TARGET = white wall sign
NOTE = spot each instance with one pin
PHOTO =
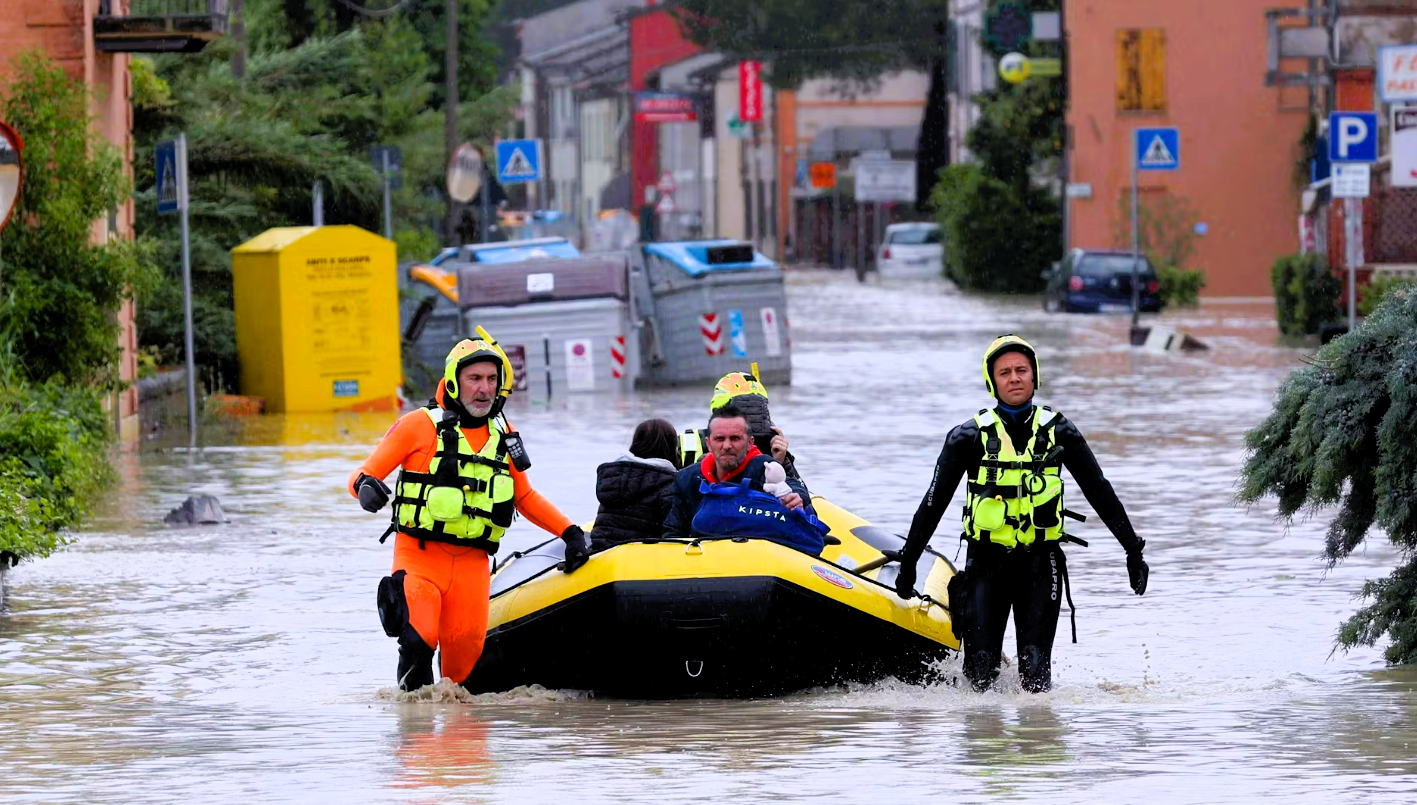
(885, 181)
(1397, 73)
(1404, 146)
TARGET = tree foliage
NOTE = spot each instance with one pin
(257, 146)
(1344, 432)
(58, 290)
(997, 237)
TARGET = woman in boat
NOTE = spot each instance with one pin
(636, 490)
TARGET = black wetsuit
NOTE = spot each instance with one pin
(1027, 579)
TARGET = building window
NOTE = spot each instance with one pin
(1141, 70)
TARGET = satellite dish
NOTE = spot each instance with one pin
(465, 173)
(11, 171)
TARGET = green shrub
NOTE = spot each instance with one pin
(1373, 294)
(53, 464)
(60, 289)
(1305, 293)
(998, 237)
(1180, 287)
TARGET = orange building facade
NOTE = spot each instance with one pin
(1198, 67)
(63, 30)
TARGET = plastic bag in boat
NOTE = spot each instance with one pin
(737, 510)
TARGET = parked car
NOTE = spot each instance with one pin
(1098, 281)
(911, 248)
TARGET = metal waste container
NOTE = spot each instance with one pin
(562, 322)
(428, 302)
(711, 307)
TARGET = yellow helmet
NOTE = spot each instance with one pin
(472, 350)
(736, 384)
(1009, 343)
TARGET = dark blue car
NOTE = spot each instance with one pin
(1096, 281)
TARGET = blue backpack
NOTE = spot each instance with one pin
(737, 510)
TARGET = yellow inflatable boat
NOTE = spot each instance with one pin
(725, 618)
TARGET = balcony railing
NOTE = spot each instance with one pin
(158, 26)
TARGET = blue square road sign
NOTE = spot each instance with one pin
(168, 199)
(1158, 149)
(519, 161)
(1353, 137)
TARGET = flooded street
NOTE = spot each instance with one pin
(245, 663)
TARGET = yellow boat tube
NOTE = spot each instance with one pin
(728, 618)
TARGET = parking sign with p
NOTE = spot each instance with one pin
(1353, 137)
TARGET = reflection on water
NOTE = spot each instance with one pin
(243, 662)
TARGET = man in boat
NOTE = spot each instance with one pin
(732, 458)
(751, 397)
(1013, 519)
(463, 474)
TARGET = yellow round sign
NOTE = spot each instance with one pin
(1015, 68)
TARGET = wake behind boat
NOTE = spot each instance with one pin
(735, 617)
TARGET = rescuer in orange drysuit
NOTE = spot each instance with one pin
(450, 515)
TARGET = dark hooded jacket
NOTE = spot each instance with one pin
(635, 497)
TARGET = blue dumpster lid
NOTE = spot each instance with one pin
(511, 251)
(699, 257)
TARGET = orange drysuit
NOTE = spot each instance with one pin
(446, 586)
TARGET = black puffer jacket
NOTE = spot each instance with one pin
(635, 495)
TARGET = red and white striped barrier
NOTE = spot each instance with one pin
(711, 330)
(617, 356)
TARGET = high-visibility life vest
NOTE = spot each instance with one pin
(693, 444)
(465, 497)
(1016, 499)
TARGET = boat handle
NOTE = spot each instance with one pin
(689, 550)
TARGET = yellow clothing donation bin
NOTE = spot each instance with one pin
(317, 319)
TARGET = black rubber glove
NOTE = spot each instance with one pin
(1137, 569)
(905, 580)
(373, 494)
(577, 548)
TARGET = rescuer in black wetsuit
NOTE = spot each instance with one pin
(1012, 456)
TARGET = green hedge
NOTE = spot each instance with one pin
(1305, 293)
(1180, 287)
(53, 463)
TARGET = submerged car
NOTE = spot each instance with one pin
(1097, 281)
(911, 248)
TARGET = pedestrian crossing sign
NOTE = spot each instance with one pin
(519, 161)
(1158, 149)
(171, 186)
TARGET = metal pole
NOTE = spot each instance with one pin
(860, 240)
(1136, 233)
(836, 259)
(1353, 243)
(450, 110)
(187, 294)
(388, 210)
(486, 212)
(318, 202)
(546, 356)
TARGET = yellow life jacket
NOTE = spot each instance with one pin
(692, 446)
(465, 498)
(1016, 499)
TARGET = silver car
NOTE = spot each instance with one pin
(915, 248)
